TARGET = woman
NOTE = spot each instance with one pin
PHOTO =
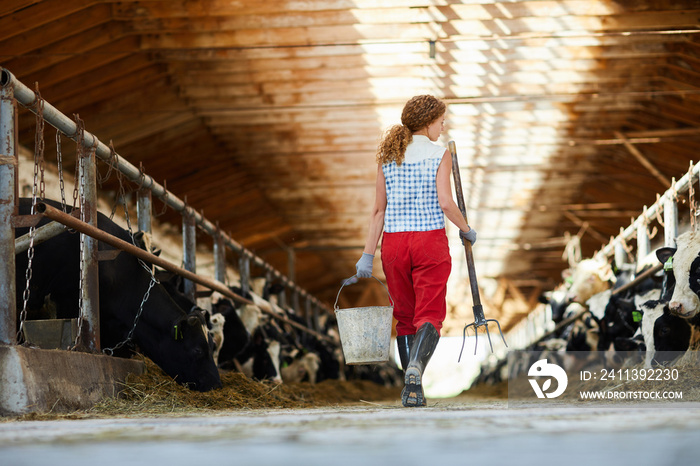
(413, 196)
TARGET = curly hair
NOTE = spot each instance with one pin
(419, 112)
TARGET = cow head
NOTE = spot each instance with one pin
(584, 335)
(589, 278)
(184, 352)
(686, 270)
(665, 334)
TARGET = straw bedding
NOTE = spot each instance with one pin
(154, 393)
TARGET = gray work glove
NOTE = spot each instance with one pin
(364, 265)
(468, 235)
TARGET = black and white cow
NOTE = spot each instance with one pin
(622, 316)
(260, 359)
(685, 301)
(235, 335)
(662, 335)
(666, 336)
(165, 333)
(252, 342)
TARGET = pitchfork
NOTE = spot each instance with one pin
(479, 319)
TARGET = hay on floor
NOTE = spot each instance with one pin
(155, 393)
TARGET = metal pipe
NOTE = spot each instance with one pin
(144, 210)
(643, 243)
(620, 254)
(8, 201)
(71, 222)
(219, 259)
(189, 254)
(670, 221)
(89, 270)
(26, 97)
(244, 271)
(638, 278)
(41, 234)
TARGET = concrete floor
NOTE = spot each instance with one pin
(451, 431)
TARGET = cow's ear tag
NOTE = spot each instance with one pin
(668, 265)
(636, 316)
(569, 280)
(178, 332)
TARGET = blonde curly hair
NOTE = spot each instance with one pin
(420, 111)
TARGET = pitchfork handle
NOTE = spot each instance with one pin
(462, 207)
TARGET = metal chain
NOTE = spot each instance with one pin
(79, 185)
(39, 143)
(79, 133)
(59, 162)
(121, 194)
(691, 199)
(38, 160)
(164, 199)
(130, 335)
(658, 213)
(626, 247)
(110, 165)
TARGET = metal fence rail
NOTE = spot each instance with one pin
(14, 89)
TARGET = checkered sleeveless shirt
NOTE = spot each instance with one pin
(411, 189)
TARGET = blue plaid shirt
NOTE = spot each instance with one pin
(411, 189)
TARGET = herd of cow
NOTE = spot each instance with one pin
(658, 316)
(636, 314)
(189, 343)
(653, 320)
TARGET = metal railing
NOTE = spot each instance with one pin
(13, 90)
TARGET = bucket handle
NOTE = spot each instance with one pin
(335, 306)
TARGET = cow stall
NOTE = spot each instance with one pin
(42, 379)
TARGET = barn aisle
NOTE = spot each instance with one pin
(453, 431)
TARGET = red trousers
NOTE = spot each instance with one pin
(416, 265)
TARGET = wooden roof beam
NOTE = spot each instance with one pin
(461, 18)
(35, 15)
(54, 31)
(70, 66)
(485, 10)
(586, 227)
(643, 160)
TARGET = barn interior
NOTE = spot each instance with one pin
(568, 117)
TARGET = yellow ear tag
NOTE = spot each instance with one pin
(668, 265)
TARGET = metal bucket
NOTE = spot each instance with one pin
(365, 332)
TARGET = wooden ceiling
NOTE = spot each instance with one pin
(267, 114)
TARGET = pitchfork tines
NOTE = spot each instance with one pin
(480, 321)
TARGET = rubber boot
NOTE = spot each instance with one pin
(422, 350)
(404, 343)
